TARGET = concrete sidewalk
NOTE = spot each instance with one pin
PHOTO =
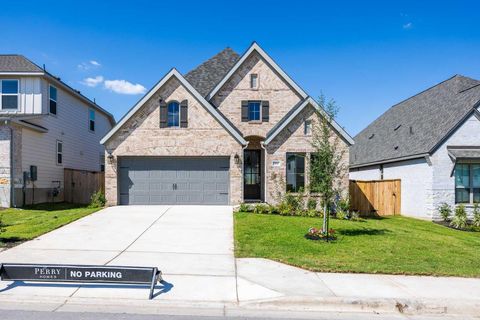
(193, 246)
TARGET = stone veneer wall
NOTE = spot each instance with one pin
(271, 87)
(293, 139)
(142, 136)
(5, 164)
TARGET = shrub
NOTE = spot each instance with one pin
(445, 211)
(476, 215)
(98, 200)
(355, 216)
(261, 209)
(342, 215)
(244, 208)
(343, 205)
(2, 225)
(312, 204)
(459, 221)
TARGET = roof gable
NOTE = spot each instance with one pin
(415, 126)
(14, 63)
(195, 93)
(295, 111)
(256, 48)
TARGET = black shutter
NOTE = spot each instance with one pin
(265, 111)
(184, 114)
(244, 111)
(163, 114)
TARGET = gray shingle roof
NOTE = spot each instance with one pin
(17, 63)
(415, 126)
(204, 77)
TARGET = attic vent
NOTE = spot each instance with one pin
(371, 137)
(397, 127)
(411, 130)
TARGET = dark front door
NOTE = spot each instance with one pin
(252, 175)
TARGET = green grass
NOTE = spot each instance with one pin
(393, 245)
(30, 222)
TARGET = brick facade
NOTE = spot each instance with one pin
(142, 136)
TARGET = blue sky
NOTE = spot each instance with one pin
(367, 55)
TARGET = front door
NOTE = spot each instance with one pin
(252, 175)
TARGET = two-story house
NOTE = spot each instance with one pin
(236, 128)
(45, 126)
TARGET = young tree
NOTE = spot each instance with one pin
(327, 168)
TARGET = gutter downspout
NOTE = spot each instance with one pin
(262, 145)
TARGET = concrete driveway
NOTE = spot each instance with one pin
(192, 245)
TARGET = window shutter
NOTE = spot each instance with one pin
(184, 114)
(244, 111)
(265, 111)
(163, 114)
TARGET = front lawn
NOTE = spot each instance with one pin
(31, 222)
(394, 245)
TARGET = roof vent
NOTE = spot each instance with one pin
(397, 127)
(411, 130)
(371, 137)
(396, 147)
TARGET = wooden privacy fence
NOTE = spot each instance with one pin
(79, 185)
(376, 197)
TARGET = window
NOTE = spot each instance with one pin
(295, 172)
(254, 110)
(254, 81)
(91, 119)
(308, 128)
(59, 152)
(9, 93)
(52, 96)
(173, 114)
(467, 183)
(102, 162)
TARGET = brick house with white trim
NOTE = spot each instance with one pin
(224, 133)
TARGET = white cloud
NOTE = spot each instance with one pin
(124, 87)
(92, 82)
(92, 64)
(407, 26)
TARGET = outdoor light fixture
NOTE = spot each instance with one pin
(110, 156)
(236, 158)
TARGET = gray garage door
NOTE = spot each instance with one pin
(179, 180)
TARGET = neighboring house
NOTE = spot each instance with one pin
(237, 128)
(47, 124)
(431, 142)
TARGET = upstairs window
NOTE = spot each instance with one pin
(254, 81)
(52, 96)
(59, 152)
(9, 93)
(308, 128)
(254, 110)
(91, 120)
(173, 114)
(295, 172)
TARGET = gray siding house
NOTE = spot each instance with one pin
(46, 124)
(431, 142)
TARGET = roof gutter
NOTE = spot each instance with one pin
(367, 164)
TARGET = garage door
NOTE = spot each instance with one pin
(179, 180)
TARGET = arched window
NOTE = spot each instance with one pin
(173, 118)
